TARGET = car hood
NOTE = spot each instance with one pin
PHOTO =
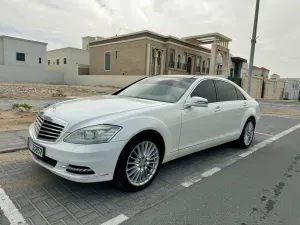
(79, 110)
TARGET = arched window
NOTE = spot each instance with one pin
(65, 60)
(178, 61)
(172, 60)
(203, 66)
(219, 64)
(153, 56)
(159, 58)
(198, 62)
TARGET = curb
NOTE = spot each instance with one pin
(8, 150)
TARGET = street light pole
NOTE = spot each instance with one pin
(253, 42)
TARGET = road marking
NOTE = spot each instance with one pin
(283, 116)
(210, 172)
(268, 141)
(10, 211)
(270, 135)
(117, 220)
(192, 180)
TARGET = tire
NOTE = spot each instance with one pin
(131, 163)
(248, 130)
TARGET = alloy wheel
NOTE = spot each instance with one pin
(142, 163)
(249, 133)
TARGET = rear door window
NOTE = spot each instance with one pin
(240, 95)
(226, 91)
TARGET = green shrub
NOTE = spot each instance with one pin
(24, 105)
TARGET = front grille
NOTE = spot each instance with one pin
(47, 130)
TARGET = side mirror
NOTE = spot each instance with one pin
(196, 102)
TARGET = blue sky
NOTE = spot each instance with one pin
(62, 23)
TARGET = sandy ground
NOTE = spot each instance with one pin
(37, 91)
(15, 119)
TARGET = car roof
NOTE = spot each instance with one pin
(194, 76)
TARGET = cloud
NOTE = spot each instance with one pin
(63, 22)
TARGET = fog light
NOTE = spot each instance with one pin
(79, 169)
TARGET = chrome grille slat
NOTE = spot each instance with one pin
(46, 133)
(50, 129)
(48, 124)
(39, 122)
(47, 130)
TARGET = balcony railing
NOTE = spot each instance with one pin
(198, 69)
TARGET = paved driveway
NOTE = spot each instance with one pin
(43, 198)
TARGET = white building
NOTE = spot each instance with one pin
(291, 88)
(21, 52)
(68, 60)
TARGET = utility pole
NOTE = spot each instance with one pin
(253, 42)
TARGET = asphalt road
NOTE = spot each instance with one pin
(258, 189)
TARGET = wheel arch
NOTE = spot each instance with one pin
(142, 134)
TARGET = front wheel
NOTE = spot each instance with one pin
(247, 135)
(138, 165)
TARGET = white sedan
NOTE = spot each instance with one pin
(126, 136)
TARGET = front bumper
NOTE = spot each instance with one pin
(101, 158)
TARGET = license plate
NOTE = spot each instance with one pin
(36, 149)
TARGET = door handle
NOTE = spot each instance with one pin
(245, 104)
(218, 108)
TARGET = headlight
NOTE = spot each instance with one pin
(93, 135)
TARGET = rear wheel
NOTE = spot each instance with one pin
(247, 135)
(138, 164)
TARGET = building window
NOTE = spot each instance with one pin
(207, 65)
(171, 60)
(57, 62)
(198, 63)
(49, 62)
(184, 61)
(65, 60)
(40, 60)
(116, 54)
(20, 56)
(107, 62)
(159, 58)
(203, 66)
(153, 56)
(178, 62)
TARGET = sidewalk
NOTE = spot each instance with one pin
(13, 140)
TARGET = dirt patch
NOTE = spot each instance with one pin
(37, 91)
(275, 111)
(16, 119)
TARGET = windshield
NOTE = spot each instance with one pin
(164, 89)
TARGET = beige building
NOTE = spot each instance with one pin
(148, 53)
(261, 72)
